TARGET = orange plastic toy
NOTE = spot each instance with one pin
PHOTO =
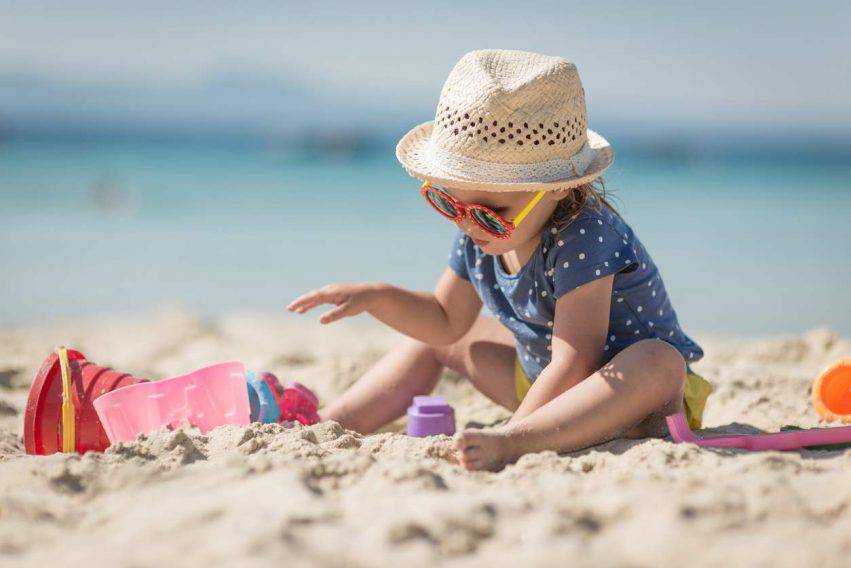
(832, 392)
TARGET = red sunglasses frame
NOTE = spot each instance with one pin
(463, 208)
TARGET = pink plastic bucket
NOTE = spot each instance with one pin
(205, 398)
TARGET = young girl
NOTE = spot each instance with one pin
(583, 344)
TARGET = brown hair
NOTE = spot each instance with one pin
(592, 194)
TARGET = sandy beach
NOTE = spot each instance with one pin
(322, 496)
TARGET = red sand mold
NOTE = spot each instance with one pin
(43, 415)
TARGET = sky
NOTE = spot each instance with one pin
(775, 65)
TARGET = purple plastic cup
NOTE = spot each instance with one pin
(429, 416)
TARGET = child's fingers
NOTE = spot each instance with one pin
(469, 454)
(339, 312)
(299, 303)
(463, 441)
(473, 453)
(305, 306)
(331, 294)
(471, 458)
(310, 300)
(303, 300)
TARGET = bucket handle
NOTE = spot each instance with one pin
(68, 413)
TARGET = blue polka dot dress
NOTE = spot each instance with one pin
(594, 245)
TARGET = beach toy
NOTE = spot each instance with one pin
(832, 392)
(264, 407)
(60, 416)
(253, 404)
(430, 415)
(784, 440)
(206, 398)
(295, 401)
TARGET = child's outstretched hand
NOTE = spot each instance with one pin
(350, 299)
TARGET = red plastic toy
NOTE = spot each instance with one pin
(43, 432)
(295, 401)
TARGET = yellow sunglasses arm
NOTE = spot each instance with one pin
(529, 207)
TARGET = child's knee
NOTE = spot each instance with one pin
(448, 355)
(664, 361)
(441, 353)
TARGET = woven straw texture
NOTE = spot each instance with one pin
(508, 121)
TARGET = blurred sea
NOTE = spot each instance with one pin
(747, 245)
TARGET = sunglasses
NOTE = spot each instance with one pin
(490, 222)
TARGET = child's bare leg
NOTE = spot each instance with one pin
(642, 380)
(383, 393)
(485, 355)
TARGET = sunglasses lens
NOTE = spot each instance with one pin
(441, 203)
(488, 221)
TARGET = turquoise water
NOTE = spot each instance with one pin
(748, 246)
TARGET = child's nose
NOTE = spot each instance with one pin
(466, 225)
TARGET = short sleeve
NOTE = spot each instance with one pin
(588, 249)
(458, 255)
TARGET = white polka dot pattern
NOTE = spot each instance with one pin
(594, 245)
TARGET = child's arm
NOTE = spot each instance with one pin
(579, 336)
(438, 318)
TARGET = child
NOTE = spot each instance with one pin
(584, 344)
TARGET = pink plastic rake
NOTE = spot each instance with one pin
(791, 440)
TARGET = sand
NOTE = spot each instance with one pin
(321, 496)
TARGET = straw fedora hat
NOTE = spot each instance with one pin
(508, 121)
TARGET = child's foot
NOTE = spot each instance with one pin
(483, 449)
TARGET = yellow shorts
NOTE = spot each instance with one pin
(697, 391)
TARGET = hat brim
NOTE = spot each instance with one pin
(412, 152)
